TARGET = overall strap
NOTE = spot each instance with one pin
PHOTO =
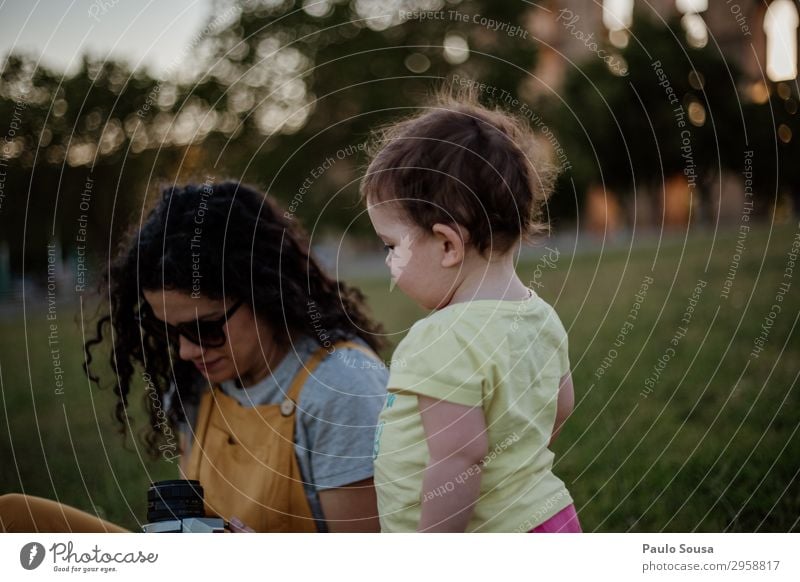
(293, 394)
(367, 351)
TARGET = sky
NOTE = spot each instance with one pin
(150, 34)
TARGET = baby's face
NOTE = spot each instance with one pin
(414, 257)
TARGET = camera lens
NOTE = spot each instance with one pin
(174, 499)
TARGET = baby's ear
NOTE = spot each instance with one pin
(454, 239)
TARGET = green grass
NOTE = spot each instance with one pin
(714, 447)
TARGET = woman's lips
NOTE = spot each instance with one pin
(207, 365)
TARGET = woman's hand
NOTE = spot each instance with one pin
(236, 526)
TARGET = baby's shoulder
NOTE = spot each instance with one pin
(434, 327)
(442, 335)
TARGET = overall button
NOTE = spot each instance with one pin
(287, 407)
(231, 440)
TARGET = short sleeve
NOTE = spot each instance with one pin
(340, 404)
(439, 361)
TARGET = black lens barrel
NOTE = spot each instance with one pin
(174, 499)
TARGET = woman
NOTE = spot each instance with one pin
(263, 365)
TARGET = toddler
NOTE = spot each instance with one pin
(478, 389)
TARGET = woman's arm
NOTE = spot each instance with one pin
(340, 407)
(352, 508)
(566, 402)
(457, 442)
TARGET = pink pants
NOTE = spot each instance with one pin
(565, 521)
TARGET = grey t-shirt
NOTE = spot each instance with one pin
(335, 417)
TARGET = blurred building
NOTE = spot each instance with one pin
(743, 29)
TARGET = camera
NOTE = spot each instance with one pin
(176, 506)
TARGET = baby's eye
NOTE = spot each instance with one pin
(388, 248)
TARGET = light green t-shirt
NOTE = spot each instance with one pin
(505, 356)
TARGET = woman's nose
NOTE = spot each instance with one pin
(187, 350)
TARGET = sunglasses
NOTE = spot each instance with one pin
(204, 333)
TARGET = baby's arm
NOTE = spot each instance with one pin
(457, 442)
(566, 401)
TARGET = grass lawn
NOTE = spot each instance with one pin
(678, 425)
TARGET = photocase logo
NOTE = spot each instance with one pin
(401, 255)
(31, 555)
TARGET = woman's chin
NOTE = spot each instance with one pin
(215, 375)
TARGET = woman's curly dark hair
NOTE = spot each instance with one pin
(251, 251)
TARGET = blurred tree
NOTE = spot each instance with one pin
(676, 111)
(69, 141)
(309, 82)
(279, 95)
(284, 95)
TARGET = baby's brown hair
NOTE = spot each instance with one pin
(460, 162)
